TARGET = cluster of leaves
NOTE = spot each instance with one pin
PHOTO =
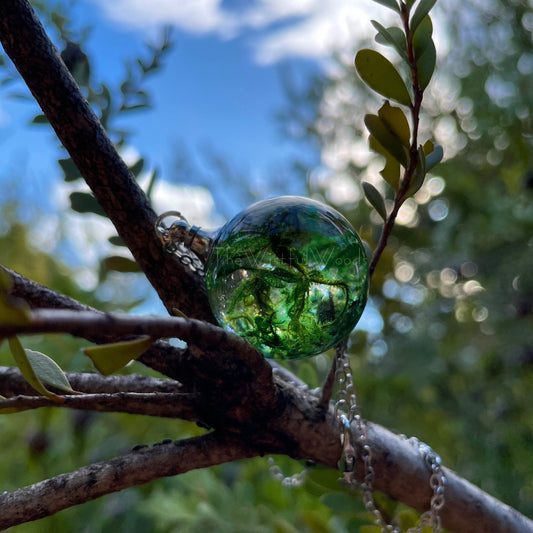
(390, 134)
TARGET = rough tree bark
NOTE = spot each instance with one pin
(218, 379)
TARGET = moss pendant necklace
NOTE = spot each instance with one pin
(289, 274)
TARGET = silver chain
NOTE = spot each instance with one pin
(172, 240)
(355, 432)
(296, 480)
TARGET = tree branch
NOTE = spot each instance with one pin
(160, 356)
(12, 383)
(81, 133)
(135, 468)
(180, 405)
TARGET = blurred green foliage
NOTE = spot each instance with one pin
(453, 362)
(448, 355)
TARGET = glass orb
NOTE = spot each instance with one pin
(290, 275)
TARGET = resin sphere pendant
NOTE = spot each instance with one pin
(290, 275)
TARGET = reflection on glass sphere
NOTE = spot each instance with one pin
(290, 275)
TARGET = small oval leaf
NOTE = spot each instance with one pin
(392, 36)
(84, 202)
(109, 358)
(22, 361)
(391, 170)
(137, 167)
(396, 122)
(70, 170)
(39, 119)
(422, 36)
(375, 199)
(391, 4)
(417, 180)
(423, 8)
(434, 157)
(387, 139)
(13, 310)
(381, 76)
(426, 65)
(116, 240)
(48, 371)
(119, 263)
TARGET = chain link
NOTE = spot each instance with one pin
(355, 432)
(296, 480)
(174, 238)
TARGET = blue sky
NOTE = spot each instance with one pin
(220, 87)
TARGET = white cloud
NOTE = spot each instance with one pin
(310, 28)
(197, 16)
(87, 234)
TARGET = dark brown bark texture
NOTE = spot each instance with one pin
(218, 379)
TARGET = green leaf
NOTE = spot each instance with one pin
(340, 502)
(423, 8)
(391, 170)
(84, 202)
(326, 478)
(13, 310)
(39, 119)
(116, 240)
(434, 157)
(426, 65)
(151, 183)
(6, 281)
(417, 180)
(422, 36)
(21, 359)
(109, 358)
(396, 122)
(391, 4)
(178, 313)
(375, 199)
(48, 371)
(387, 138)
(70, 170)
(119, 263)
(381, 76)
(392, 36)
(137, 167)
(134, 107)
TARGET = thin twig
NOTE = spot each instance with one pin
(168, 405)
(12, 383)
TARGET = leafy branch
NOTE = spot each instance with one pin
(390, 133)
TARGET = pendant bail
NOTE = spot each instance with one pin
(180, 232)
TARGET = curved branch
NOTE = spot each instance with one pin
(135, 468)
(81, 133)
